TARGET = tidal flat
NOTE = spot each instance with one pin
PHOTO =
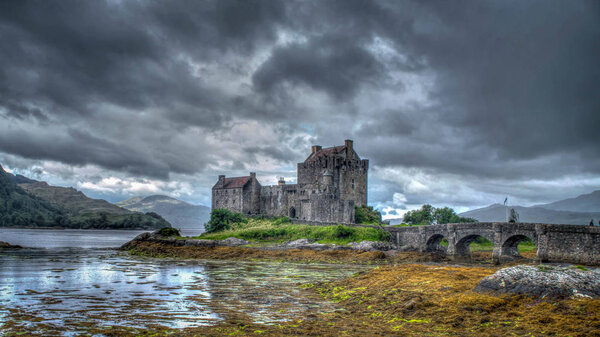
(164, 290)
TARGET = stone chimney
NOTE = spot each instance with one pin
(316, 148)
(281, 181)
(349, 150)
(348, 143)
(221, 181)
(252, 175)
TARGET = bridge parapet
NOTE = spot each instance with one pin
(555, 243)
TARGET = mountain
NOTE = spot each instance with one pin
(497, 213)
(179, 213)
(70, 199)
(19, 208)
(583, 203)
(26, 202)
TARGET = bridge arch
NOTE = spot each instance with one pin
(462, 246)
(510, 246)
(434, 243)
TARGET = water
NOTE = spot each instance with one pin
(81, 238)
(69, 288)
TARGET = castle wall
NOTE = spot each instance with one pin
(278, 200)
(231, 198)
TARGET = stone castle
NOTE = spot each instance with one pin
(331, 182)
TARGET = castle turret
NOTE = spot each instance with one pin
(327, 178)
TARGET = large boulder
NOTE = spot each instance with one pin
(543, 281)
(371, 245)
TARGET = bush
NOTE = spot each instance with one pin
(221, 219)
(342, 232)
(366, 215)
(168, 231)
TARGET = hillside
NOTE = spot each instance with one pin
(583, 203)
(497, 213)
(72, 200)
(29, 203)
(179, 213)
(19, 208)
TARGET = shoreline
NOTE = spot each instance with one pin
(155, 246)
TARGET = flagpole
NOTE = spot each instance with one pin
(506, 208)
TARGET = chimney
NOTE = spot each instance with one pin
(221, 177)
(253, 175)
(316, 148)
(349, 150)
(281, 181)
(348, 143)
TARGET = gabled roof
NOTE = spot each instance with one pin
(236, 182)
(325, 152)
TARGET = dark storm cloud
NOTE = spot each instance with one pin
(336, 66)
(480, 89)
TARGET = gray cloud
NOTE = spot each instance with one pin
(497, 97)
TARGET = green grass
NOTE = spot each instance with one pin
(280, 229)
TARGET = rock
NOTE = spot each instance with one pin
(234, 242)
(371, 245)
(543, 281)
(200, 243)
(299, 242)
(6, 245)
(306, 244)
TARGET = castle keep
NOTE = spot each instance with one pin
(330, 183)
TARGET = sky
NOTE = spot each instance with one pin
(455, 104)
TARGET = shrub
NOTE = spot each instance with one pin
(168, 231)
(366, 215)
(343, 232)
(221, 219)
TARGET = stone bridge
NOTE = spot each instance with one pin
(555, 243)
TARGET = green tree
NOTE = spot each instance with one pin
(221, 219)
(427, 214)
(366, 215)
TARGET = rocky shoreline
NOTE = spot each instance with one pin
(302, 251)
(6, 245)
(368, 246)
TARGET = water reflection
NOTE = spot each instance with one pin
(64, 287)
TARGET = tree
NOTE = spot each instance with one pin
(423, 216)
(220, 219)
(427, 214)
(514, 216)
(366, 215)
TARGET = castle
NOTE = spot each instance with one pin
(331, 181)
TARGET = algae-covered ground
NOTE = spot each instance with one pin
(405, 300)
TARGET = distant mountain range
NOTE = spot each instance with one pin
(26, 202)
(179, 213)
(576, 211)
(583, 203)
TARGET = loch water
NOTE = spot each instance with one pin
(70, 277)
